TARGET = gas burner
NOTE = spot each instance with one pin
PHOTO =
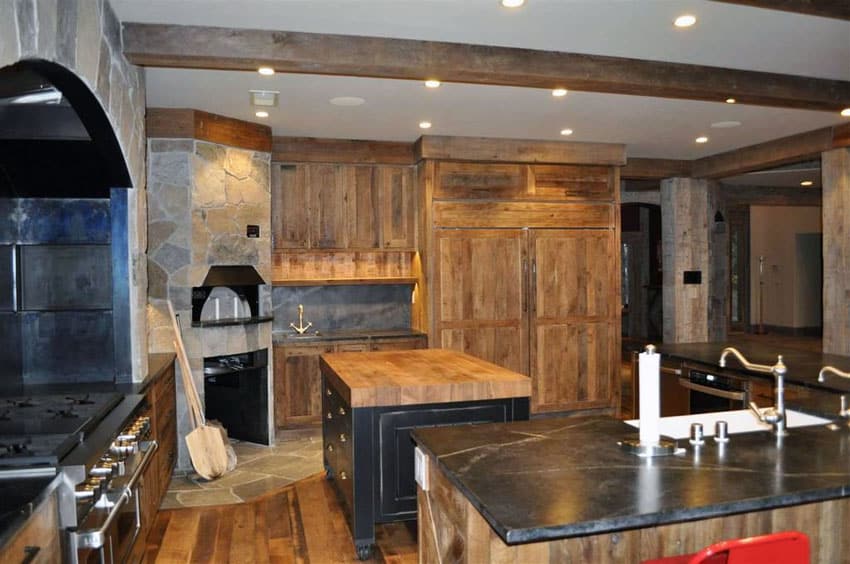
(85, 400)
(28, 402)
(15, 449)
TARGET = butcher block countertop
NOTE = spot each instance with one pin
(371, 379)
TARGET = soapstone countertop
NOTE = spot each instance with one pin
(292, 338)
(803, 366)
(554, 478)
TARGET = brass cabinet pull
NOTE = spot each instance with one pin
(342, 411)
(330, 415)
(343, 476)
(330, 448)
(342, 437)
(329, 392)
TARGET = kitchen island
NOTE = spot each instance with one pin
(372, 400)
(563, 490)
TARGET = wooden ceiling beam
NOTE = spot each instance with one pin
(837, 9)
(655, 169)
(786, 150)
(166, 45)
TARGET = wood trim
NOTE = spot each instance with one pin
(518, 150)
(777, 152)
(837, 9)
(166, 45)
(187, 123)
(347, 151)
(655, 169)
(508, 214)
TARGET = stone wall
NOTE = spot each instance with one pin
(84, 36)
(201, 198)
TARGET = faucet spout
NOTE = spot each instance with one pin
(773, 415)
(833, 370)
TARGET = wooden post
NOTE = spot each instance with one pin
(835, 171)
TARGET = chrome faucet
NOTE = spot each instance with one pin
(844, 411)
(774, 416)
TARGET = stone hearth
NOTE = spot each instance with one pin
(202, 196)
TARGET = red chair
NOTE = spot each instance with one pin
(789, 547)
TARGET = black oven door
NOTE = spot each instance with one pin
(714, 392)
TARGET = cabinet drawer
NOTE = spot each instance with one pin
(39, 537)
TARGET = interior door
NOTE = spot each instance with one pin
(575, 299)
(480, 284)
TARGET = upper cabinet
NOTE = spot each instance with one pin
(343, 207)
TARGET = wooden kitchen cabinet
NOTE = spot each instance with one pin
(37, 541)
(479, 283)
(397, 211)
(523, 265)
(535, 301)
(574, 299)
(298, 379)
(297, 383)
(336, 206)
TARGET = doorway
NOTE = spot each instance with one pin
(641, 271)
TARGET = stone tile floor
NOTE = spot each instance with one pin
(259, 469)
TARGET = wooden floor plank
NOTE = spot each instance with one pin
(261, 537)
(180, 537)
(207, 533)
(242, 545)
(224, 537)
(300, 524)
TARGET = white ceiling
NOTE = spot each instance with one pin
(725, 35)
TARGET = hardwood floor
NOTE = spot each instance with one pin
(301, 523)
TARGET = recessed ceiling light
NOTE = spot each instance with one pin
(725, 124)
(566, 131)
(432, 83)
(512, 3)
(806, 183)
(731, 100)
(845, 112)
(685, 20)
(262, 114)
(701, 139)
(425, 125)
(559, 92)
(265, 71)
(347, 101)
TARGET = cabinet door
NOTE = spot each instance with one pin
(480, 295)
(289, 207)
(575, 343)
(298, 383)
(327, 222)
(398, 220)
(360, 193)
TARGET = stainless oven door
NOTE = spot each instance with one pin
(114, 524)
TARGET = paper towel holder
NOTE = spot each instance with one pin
(663, 447)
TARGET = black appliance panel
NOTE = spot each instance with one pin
(712, 391)
(62, 277)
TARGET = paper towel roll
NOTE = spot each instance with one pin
(649, 368)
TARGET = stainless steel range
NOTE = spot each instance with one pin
(99, 443)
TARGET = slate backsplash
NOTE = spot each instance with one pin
(343, 308)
